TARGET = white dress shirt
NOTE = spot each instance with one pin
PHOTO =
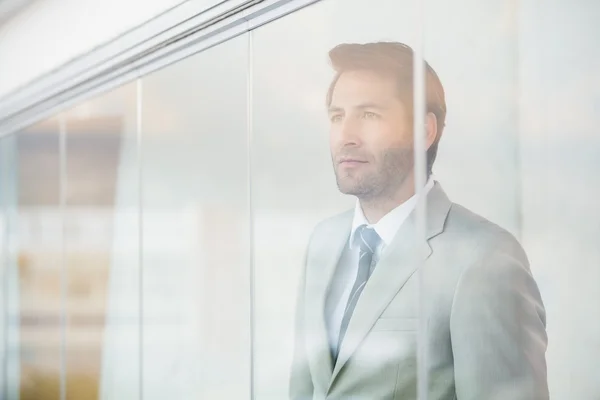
(345, 274)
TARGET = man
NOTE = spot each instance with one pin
(358, 309)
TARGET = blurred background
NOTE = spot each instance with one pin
(163, 163)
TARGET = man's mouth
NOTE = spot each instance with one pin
(352, 161)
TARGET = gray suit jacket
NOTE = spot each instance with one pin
(485, 321)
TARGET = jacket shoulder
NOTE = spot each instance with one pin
(479, 233)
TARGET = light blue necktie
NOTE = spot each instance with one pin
(369, 240)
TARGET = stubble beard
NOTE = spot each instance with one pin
(392, 168)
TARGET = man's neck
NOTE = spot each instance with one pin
(377, 207)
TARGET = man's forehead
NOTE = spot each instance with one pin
(356, 88)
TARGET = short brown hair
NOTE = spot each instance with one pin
(396, 60)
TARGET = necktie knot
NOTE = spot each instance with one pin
(369, 239)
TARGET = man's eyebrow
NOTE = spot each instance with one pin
(334, 109)
(362, 106)
(377, 106)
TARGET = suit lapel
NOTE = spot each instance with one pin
(400, 260)
(326, 252)
(397, 264)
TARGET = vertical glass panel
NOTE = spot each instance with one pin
(35, 265)
(3, 265)
(560, 103)
(101, 245)
(8, 273)
(474, 47)
(297, 204)
(196, 339)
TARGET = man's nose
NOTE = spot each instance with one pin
(350, 132)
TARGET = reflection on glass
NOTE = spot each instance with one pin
(100, 184)
(67, 179)
(38, 255)
(195, 228)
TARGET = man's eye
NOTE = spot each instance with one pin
(336, 118)
(370, 115)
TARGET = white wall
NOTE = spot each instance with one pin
(48, 33)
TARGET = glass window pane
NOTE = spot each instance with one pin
(560, 157)
(195, 227)
(521, 149)
(295, 195)
(102, 246)
(475, 49)
(9, 325)
(3, 264)
(35, 265)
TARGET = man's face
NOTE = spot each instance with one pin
(370, 136)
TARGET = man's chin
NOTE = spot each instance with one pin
(350, 189)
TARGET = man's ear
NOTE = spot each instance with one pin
(431, 129)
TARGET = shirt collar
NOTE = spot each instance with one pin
(388, 225)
